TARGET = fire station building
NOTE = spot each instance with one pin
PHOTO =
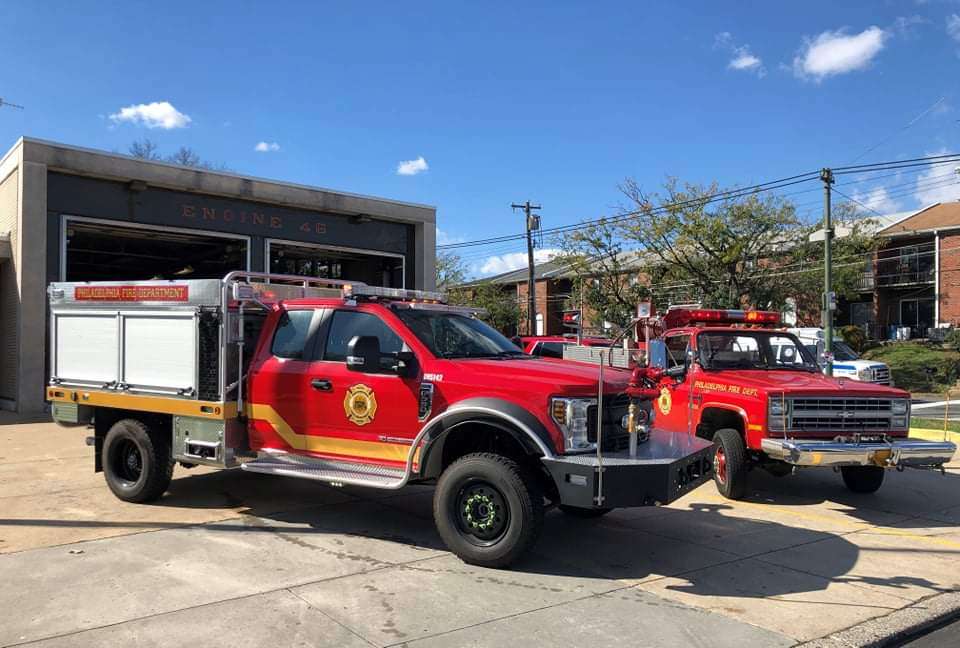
(74, 214)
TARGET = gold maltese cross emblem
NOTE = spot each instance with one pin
(360, 404)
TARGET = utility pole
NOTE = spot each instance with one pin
(533, 223)
(829, 300)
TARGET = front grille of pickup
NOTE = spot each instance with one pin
(615, 438)
(840, 414)
(881, 375)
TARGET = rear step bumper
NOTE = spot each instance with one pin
(667, 466)
(911, 453)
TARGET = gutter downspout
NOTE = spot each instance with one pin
(936, 278)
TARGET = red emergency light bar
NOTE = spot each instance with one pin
(689, 316)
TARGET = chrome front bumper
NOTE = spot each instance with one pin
(910, 453)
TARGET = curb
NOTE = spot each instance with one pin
(895, 628)
(933, 435)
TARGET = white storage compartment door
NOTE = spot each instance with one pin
(160, 351)
(86, 347)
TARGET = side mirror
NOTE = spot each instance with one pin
(363, 354)
(678, 371)
(657, 354)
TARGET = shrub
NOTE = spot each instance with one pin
(917, 367)
(952, 339)
(855, 337)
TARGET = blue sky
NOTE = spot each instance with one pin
(552, 101)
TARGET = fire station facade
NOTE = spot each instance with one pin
(73, 214)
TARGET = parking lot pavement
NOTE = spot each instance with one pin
(229, 557)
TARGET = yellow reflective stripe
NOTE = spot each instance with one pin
(144, 403)
(324, 444)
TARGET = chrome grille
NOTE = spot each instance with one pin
(881, 375)
(840, 414)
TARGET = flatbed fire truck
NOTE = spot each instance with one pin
(735, 378)
(345, 383)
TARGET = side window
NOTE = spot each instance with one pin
(293, 330)
(550, 350)
(347, 324)
(677, 350)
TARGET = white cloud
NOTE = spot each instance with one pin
(835, 52)
(742, 58)
(266, 147)
(412, 167)
(953, 26)
(745, 61)
(158, 114)
(513, 261)
(443, 238)
(937, 184)
(877, 199)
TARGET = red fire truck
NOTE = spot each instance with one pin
(733, 377)
(351, 384)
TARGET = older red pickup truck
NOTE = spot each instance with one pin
(351, 384)
(734, 378)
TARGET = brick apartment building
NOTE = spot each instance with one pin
(914, 280)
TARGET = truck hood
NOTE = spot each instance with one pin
(802, 383)
(547, 375)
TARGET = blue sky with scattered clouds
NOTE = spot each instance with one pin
(470, 107)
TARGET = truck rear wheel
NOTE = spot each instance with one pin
(136, 462)
(730, 463)
(862, 479)
(488, 509)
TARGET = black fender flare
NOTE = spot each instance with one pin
(498, 413)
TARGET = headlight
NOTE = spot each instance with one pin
(865, 375)
(571, 415)
(899, 406)
(776, 413)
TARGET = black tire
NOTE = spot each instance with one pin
(488, 509)
(862, 479)
(730, 463)
(580, 512)
(136, 462)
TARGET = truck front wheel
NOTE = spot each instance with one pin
(136, 462)
(730, 463)
(488, 509)
(862, 479)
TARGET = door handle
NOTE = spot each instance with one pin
(321, 384)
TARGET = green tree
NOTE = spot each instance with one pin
(688, 246)
(450, 271)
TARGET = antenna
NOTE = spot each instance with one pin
(7, 103)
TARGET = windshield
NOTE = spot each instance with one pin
(453, 335)
(753, 350)
(841, 351)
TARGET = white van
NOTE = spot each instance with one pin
(846, 362)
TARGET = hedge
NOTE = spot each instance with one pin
(909, 363)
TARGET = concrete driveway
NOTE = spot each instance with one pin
(229, 558)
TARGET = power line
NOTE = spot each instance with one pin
(11, 105)
(902, 128)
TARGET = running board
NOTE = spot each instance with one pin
(335, 473)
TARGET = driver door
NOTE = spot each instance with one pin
(364, 416)
(672, 408)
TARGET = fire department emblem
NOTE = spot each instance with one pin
(664, 402)
(360, 404)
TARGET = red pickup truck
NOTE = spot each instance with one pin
(351, 384)
(734, 378)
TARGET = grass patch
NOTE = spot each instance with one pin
(933, 424)
(917, 367)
